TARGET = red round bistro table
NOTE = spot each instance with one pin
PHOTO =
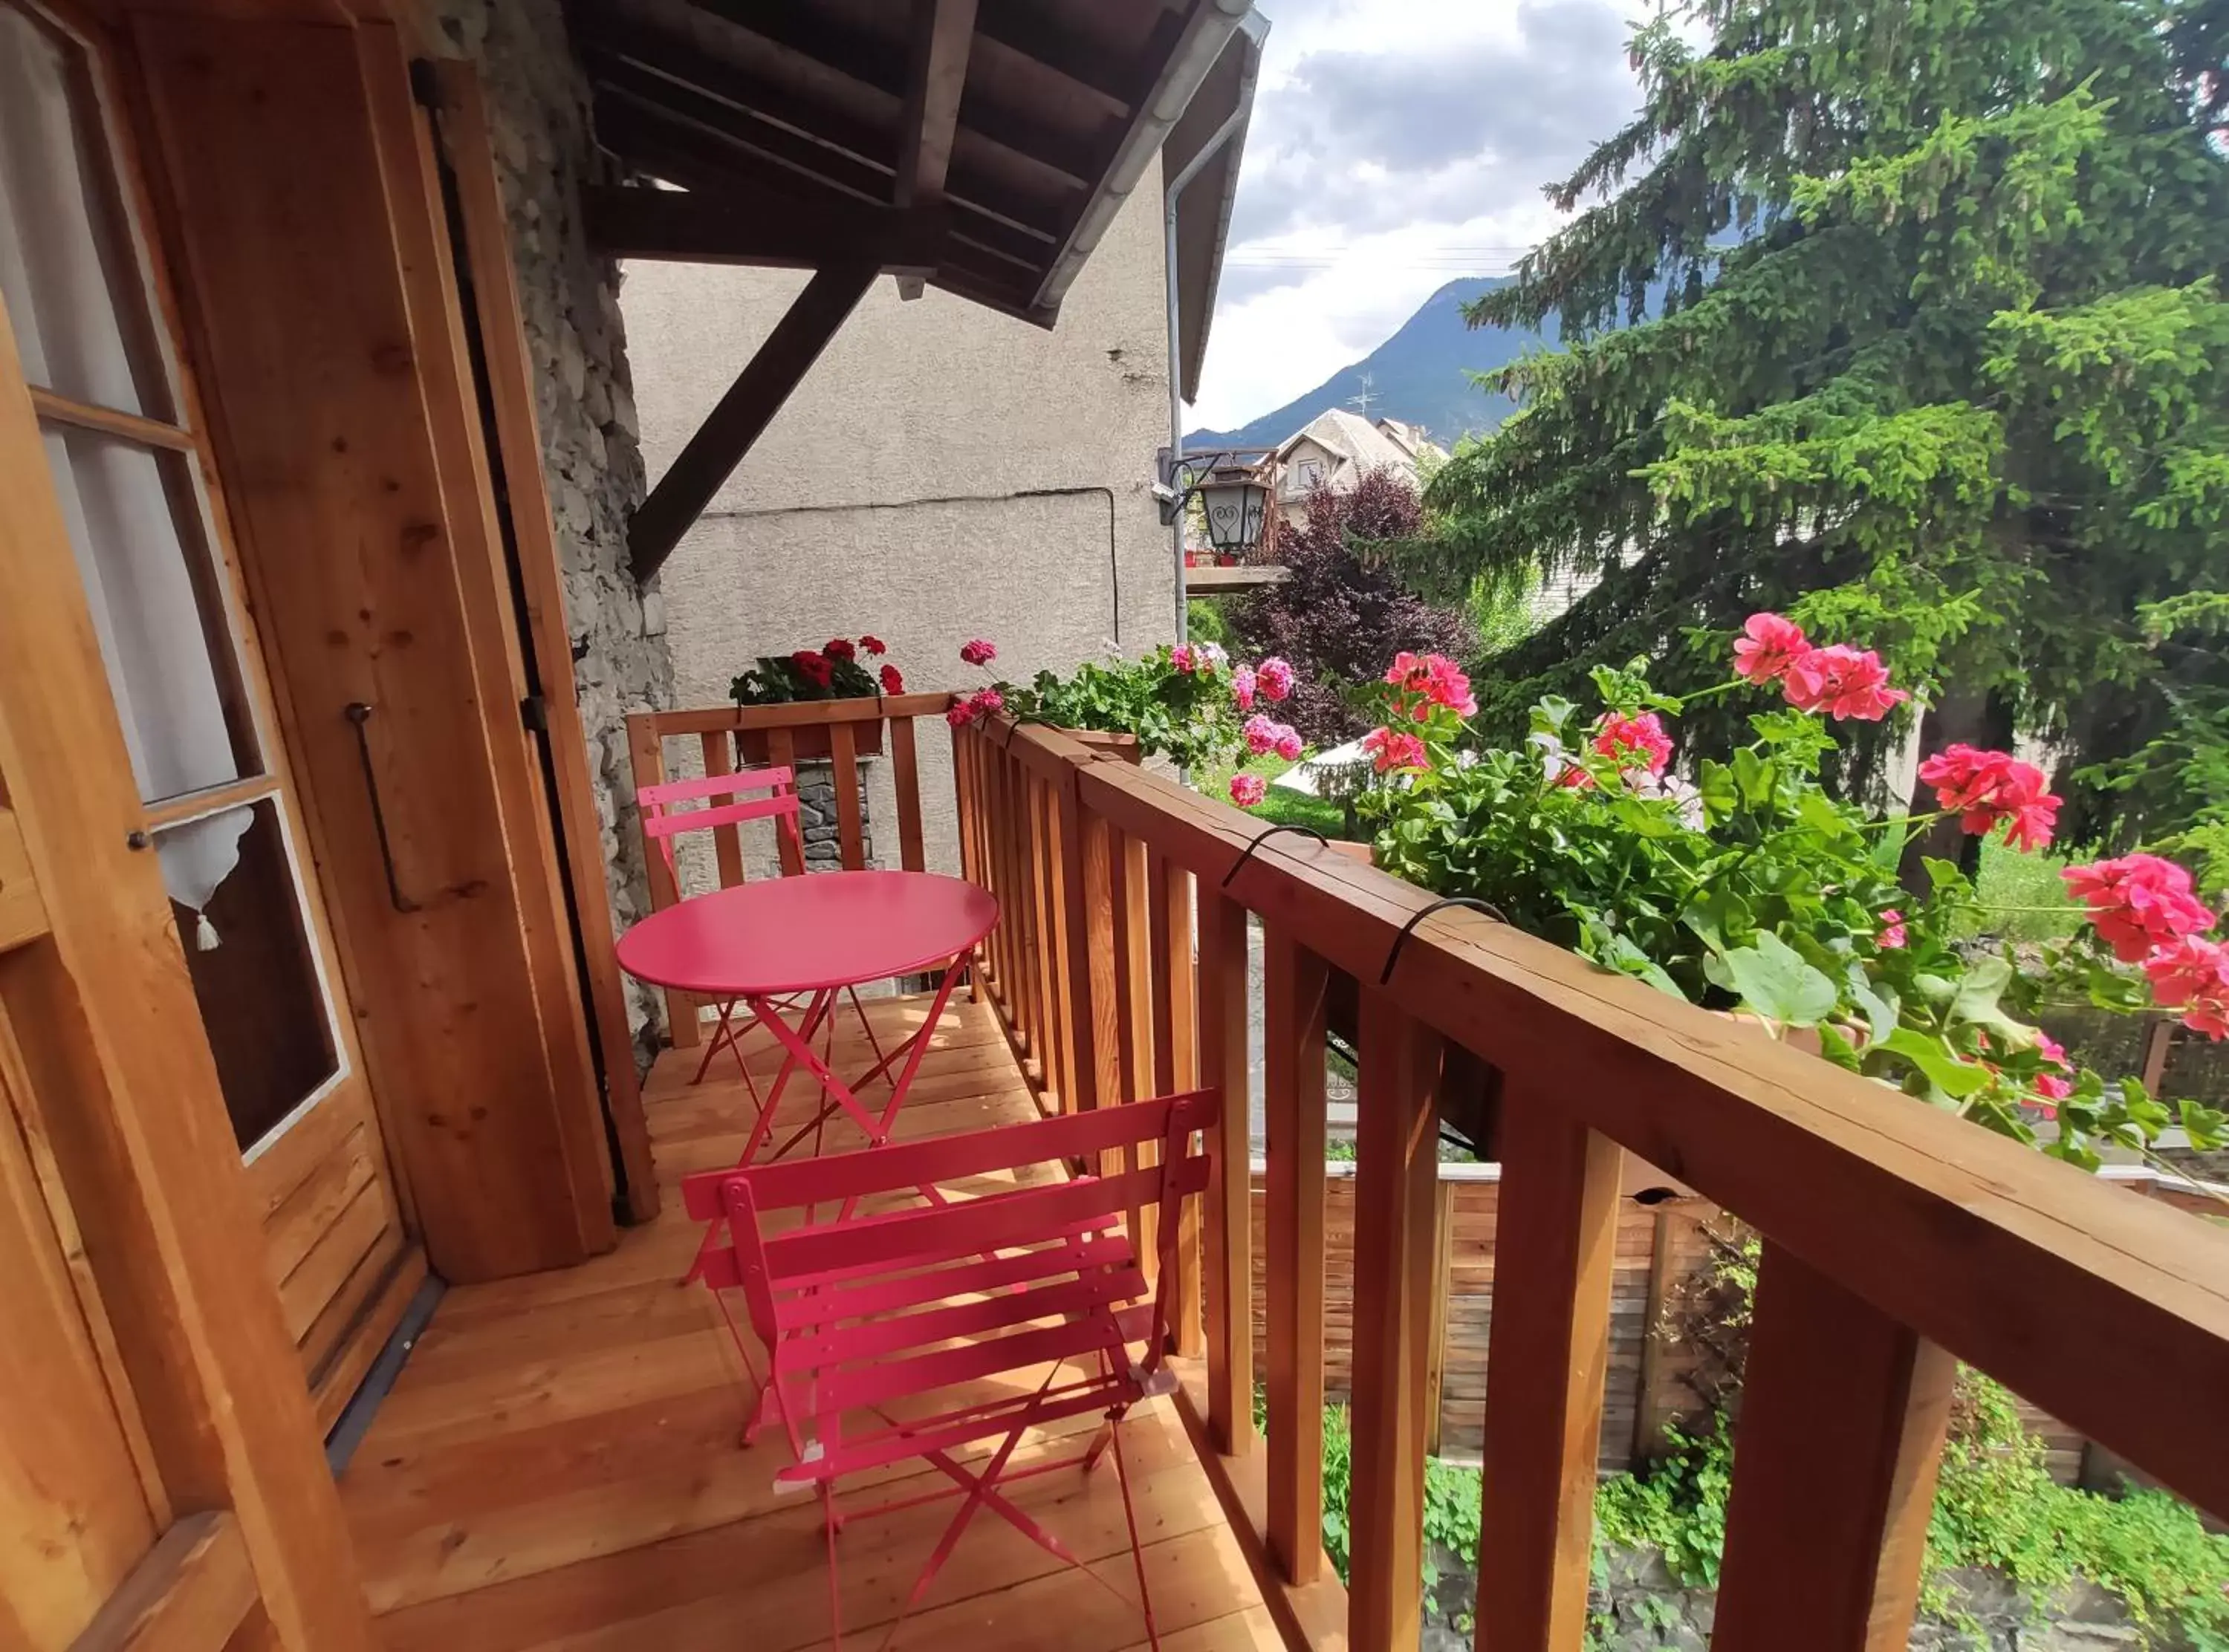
(767, 943)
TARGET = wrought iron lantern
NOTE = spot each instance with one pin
(1235, 502)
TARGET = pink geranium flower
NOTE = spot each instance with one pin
(979, 651)
(1843, 682)
(1243, 684)
(2053, 1086)
(1276, 678)
(1438, 678)
(1628, 739)
(1247, 790)
(1767, 647)
(1390, 751)
(1289, 745)
(2191, 975)
(1180, 657)
(1261, 732)
(1984, 788)
(1890, 935)
(2139, 903)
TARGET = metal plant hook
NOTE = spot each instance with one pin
(1263, 837)
(1014, 727)
(1393, 952)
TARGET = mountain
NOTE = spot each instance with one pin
(1417, 376)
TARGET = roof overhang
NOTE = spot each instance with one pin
(815, 129)
(1225, 98)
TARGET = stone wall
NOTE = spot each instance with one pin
(591, 453)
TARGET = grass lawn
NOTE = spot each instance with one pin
(1281, 807)
(2010, 879)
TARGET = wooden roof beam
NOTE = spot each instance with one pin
(704, 227)
(935, 78)
(743, 414)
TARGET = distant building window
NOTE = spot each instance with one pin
(1311, 474)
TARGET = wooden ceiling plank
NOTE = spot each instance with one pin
(743, 414)
(1027, 30)
(759, 97)
(882, 68)
(684, 108)
(652, 120)
(742, 227)
(936, 77)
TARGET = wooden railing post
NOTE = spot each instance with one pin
(1547, 1354)
(781, 751)
(843, 776)
(1395, 1251)
(727, 841)
(1081, 971)
(1292, 1103)
(1102, 969)
(905, 784)
(646, 757)
(1843, 1416)
(1223, 1067)
(1169, 941)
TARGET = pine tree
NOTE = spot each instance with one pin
(1908, 319)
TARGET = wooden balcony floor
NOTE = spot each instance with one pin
(558, 1465)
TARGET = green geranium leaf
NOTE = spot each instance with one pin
(1941, 1067)
(1773, 980)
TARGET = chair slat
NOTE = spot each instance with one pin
(979, 1225)
(884, 1293)
(898, 1333)
(778, 777)
(840, 1391)
(947, 1158)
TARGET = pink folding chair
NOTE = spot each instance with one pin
(662, 823)
(920, 1311)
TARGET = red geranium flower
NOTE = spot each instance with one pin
(2192, 975)
(873, 645)
(1625, 738)
(1984, 788)
(1842, 681)
(1391, 751)
(2139, 903)
(814, 667)
(837, 649)
(979, 651)
(892, 682)
(1768, 646)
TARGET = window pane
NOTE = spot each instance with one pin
(240, 915)
(73, 298)
(158, 617)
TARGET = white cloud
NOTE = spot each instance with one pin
(1397, 144)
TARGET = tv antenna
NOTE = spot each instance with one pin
(1369, 395)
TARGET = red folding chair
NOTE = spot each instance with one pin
(662, 823)
(921, 1310)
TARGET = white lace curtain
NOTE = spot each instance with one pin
(67, 285)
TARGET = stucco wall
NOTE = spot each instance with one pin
(944, 472)
(538, 112)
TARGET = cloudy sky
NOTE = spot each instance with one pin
(1396, 146)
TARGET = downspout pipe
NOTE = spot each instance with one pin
(1173, 197)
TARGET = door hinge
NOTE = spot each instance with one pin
(534, 712)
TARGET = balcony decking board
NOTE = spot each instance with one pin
(558, 1465)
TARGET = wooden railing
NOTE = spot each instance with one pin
(837, 731)
(1896, 1239)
